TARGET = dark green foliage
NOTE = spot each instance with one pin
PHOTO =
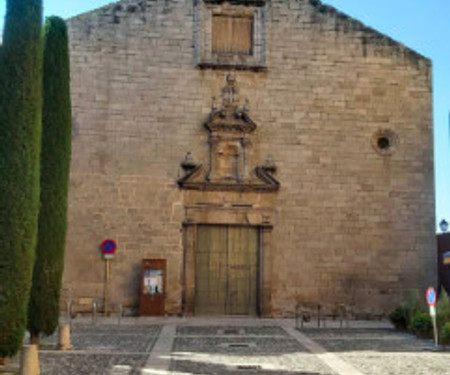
(398, 317)
(20, 137)
(43, 311)
(445, 334)
(414, 304)
(421, 324)
(402, 316)
(414, 315)
(443, 309)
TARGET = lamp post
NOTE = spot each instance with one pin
(443, 225)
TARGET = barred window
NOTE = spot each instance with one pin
(232, 35)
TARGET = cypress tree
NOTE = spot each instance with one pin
(43, 312)
(20, 138)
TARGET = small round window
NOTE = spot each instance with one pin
(384, 142)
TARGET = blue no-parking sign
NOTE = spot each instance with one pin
(431, 296)
(108, 248)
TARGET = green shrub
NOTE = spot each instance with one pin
(398, 317)
(421, 325)
(402, 316)
(443, 309)
(445, 334)
(414, 304)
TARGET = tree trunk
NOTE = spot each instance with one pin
(3, 361)
(34, 339)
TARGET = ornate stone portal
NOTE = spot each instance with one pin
(226, 204)
(230, 128)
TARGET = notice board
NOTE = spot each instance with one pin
(153, 287)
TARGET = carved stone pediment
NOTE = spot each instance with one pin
(259, 181)
(229, 127)
(230, 121)
(230, 118)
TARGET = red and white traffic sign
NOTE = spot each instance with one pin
(108, 248)
(431, 296)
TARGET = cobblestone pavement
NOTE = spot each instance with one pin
(100, 349)
(244, 350)
(182, 346)
(384, 351)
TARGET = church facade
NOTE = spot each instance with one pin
(270, 152)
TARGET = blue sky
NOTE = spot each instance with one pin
(422, 25)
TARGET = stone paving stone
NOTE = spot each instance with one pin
(372, 333)
(86, 364)
(204, 349)
(227, 363)
(189, 367)
(130, 343)
(234, 345)
(381, 340)
(230, 330)
(393, 345)
(109, 338)
(271, 351)
(373, 363)
(160, 357)
(100, 349)
(383, 352)
(151, 330)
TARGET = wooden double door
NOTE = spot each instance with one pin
(227, 269)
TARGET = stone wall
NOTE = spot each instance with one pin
(353, 222)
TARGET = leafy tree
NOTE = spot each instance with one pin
(20, 138)
(43, 312)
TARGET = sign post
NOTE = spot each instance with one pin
(108, 248)
(431, 300)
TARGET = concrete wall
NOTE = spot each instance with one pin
(352, 224)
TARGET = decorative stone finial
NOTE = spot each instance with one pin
(188, 164)
(269, 166)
